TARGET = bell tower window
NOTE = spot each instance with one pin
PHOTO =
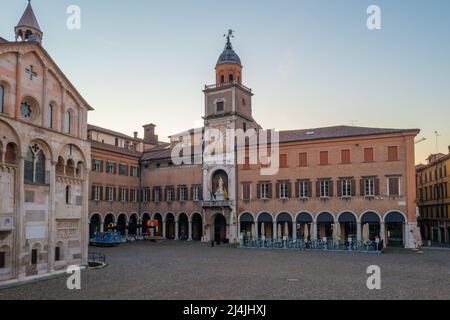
(220, 106)
(222, 79)
(230, 78)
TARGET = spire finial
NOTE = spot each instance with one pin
(229, 36)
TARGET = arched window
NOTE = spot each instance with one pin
(40, 168)
(230, 78)
(34, 165)
(11, 153)
(68, 195)
(68, 122)
(2, 99)
(29, 167)
(50, 116)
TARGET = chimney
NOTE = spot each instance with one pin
(149, 134)
(135, 134)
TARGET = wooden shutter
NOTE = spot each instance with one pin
(101, 166)
(114, 194)
(368, 155)
(331, 188)
(297, 189)
(339, 187)
(270, 196)
(101, 193)
(303, 159)
(353, 187)
(362, 187)
(277, 191)
(345, 156)
(93, 164)
(309, 191)
(258, 191)
(283, 161)
(392, 153)
(323, 158)
(93, 193)
(289, 190)
(318, 188)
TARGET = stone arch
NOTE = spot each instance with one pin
(397, 215)
(109, 222)
(169, 219)
(121, 224)
(348, 221)
(265, 225)
(145, 222)
(197, 226)
(9, 134)
(183, 226)
(325, 221)
(30, 108)
(95, 222)
(159, 224)
(304, 217)
(133, 221)
(11, 153)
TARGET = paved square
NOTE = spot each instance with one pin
(177, 270)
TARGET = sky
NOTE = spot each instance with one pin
(310, 63)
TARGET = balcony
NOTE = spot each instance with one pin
(217, 203)
(227, 85)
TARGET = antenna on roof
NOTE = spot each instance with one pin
(354, 122)
(437, 141)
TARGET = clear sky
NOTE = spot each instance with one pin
(311, 63)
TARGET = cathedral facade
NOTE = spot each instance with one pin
(44, 160)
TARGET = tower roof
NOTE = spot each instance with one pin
(228, 55)
(29, 19)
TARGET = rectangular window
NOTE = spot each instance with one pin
(346, 188)
(264, 190)
(183, 193)
(34, 257)
(169, 194)
(303, 159)
(368, 155)
(394, 186)
(323, 158)
(123, 169)
(345, 156)
(134, 171)
(220, 106)
(283, 190)
(325, 189)
(393, 153)
(122, 194)
(110, 167)
(133, 195)
(303, 189)
(97, 165)
(157, 194)
(196, 193)
(2, 260)
(283, 161)
(96, 193)
(369, 187)
(110, 194)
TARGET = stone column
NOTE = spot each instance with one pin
(255, 225)
(358, 231)
(84, 217)
(51, 220)
(19, 220)
(126, 230)
(314, 231)
(294, 231)
(274, 230)
(190, 231)
(176, 229)
(383, 233)
(164, 230)
(44, 106)
(19, 72)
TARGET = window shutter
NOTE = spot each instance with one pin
(114, 194)
(101, 193)
(362, 187)
(331, 188)
(93, 193)
(93, 165)
(289, 190)
(178, 193)
(277, 191)
(270, 196)
(101, 166)
(318, 188)
(309, 191)
(353, 187)
(393, 153)
(297, 189)
(339, 186)
(258, 191)
(165, 194)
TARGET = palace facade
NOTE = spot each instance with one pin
(350, 175)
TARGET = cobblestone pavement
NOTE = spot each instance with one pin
(176, 270)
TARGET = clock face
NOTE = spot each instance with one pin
(25, 110)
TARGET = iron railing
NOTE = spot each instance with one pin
(330, 245)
